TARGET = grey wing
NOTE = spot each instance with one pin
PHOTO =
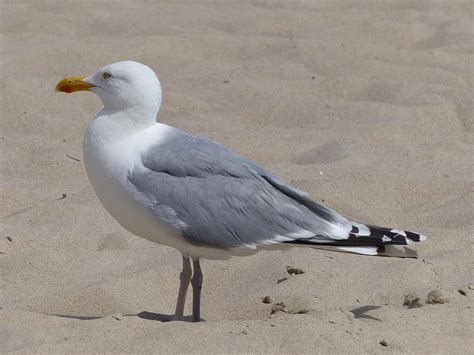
(219, 199)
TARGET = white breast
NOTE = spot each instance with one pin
(108, 163)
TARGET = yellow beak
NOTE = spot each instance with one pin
(72, 84)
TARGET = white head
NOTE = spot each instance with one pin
(126, 85)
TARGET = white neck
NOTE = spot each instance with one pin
(111, 126)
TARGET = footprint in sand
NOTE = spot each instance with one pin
(380, 91)
(327, 153)
(80, 303)
(112, 241)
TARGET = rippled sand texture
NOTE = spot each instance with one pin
(366, 105)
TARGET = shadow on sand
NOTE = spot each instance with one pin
(143, 315)
(359, 313)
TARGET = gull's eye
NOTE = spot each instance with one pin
(106, 76)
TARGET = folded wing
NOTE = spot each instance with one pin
(217, 198)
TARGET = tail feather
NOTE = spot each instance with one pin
(383, 236)
(396, 251)
(369, 240)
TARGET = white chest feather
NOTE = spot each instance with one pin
(108, 162)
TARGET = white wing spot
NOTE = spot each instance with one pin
(364, 231)
(399, 232)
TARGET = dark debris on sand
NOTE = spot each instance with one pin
(294, 270)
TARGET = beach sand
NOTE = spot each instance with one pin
(366, 105)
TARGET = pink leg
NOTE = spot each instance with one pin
(185, 278)
(196, 282)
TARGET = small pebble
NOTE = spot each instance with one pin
(411, 301)
(383, 343)
(471, 286)
(294, 270)
(267, 299)
(226, 81)
(462, 292)
(10, 239)
(436, 297)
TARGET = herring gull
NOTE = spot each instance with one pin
(197, 196)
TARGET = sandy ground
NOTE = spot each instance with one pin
(366, 105)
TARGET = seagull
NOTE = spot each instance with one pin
(199, 197)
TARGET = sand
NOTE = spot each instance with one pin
(366, 105)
